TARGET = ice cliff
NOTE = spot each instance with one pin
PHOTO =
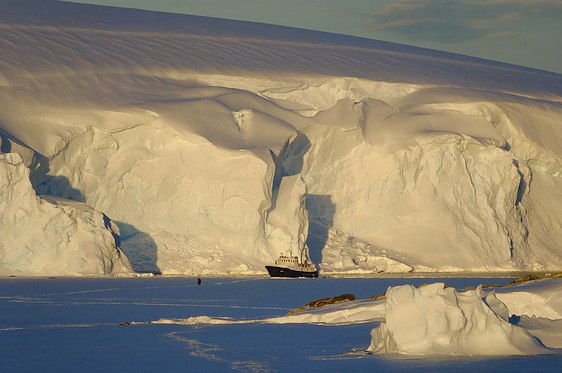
(51, 236)
(214, 145)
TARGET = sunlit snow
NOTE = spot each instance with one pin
(142, 142)
(213, 145)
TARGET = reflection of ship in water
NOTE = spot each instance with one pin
(290, 266)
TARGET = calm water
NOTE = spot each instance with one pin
(73, 325)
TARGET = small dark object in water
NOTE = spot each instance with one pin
(125, 323)
(198, 281)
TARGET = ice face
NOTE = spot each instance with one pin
(214, 149)
(46, 236)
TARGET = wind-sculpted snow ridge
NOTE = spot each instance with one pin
(51, 236)
(217, 144)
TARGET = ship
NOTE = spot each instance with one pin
(291, 266)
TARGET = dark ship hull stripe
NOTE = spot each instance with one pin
(275, 271)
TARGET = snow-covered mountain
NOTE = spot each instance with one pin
(214, 145)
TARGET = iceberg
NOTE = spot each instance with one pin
(436, 320)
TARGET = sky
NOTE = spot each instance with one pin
(520, 32)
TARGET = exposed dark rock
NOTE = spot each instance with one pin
(324, 302)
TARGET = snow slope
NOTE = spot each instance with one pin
(216, 144)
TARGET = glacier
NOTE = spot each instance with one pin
(214, 145)
(52, 236)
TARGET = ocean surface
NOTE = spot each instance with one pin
(101, 324)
